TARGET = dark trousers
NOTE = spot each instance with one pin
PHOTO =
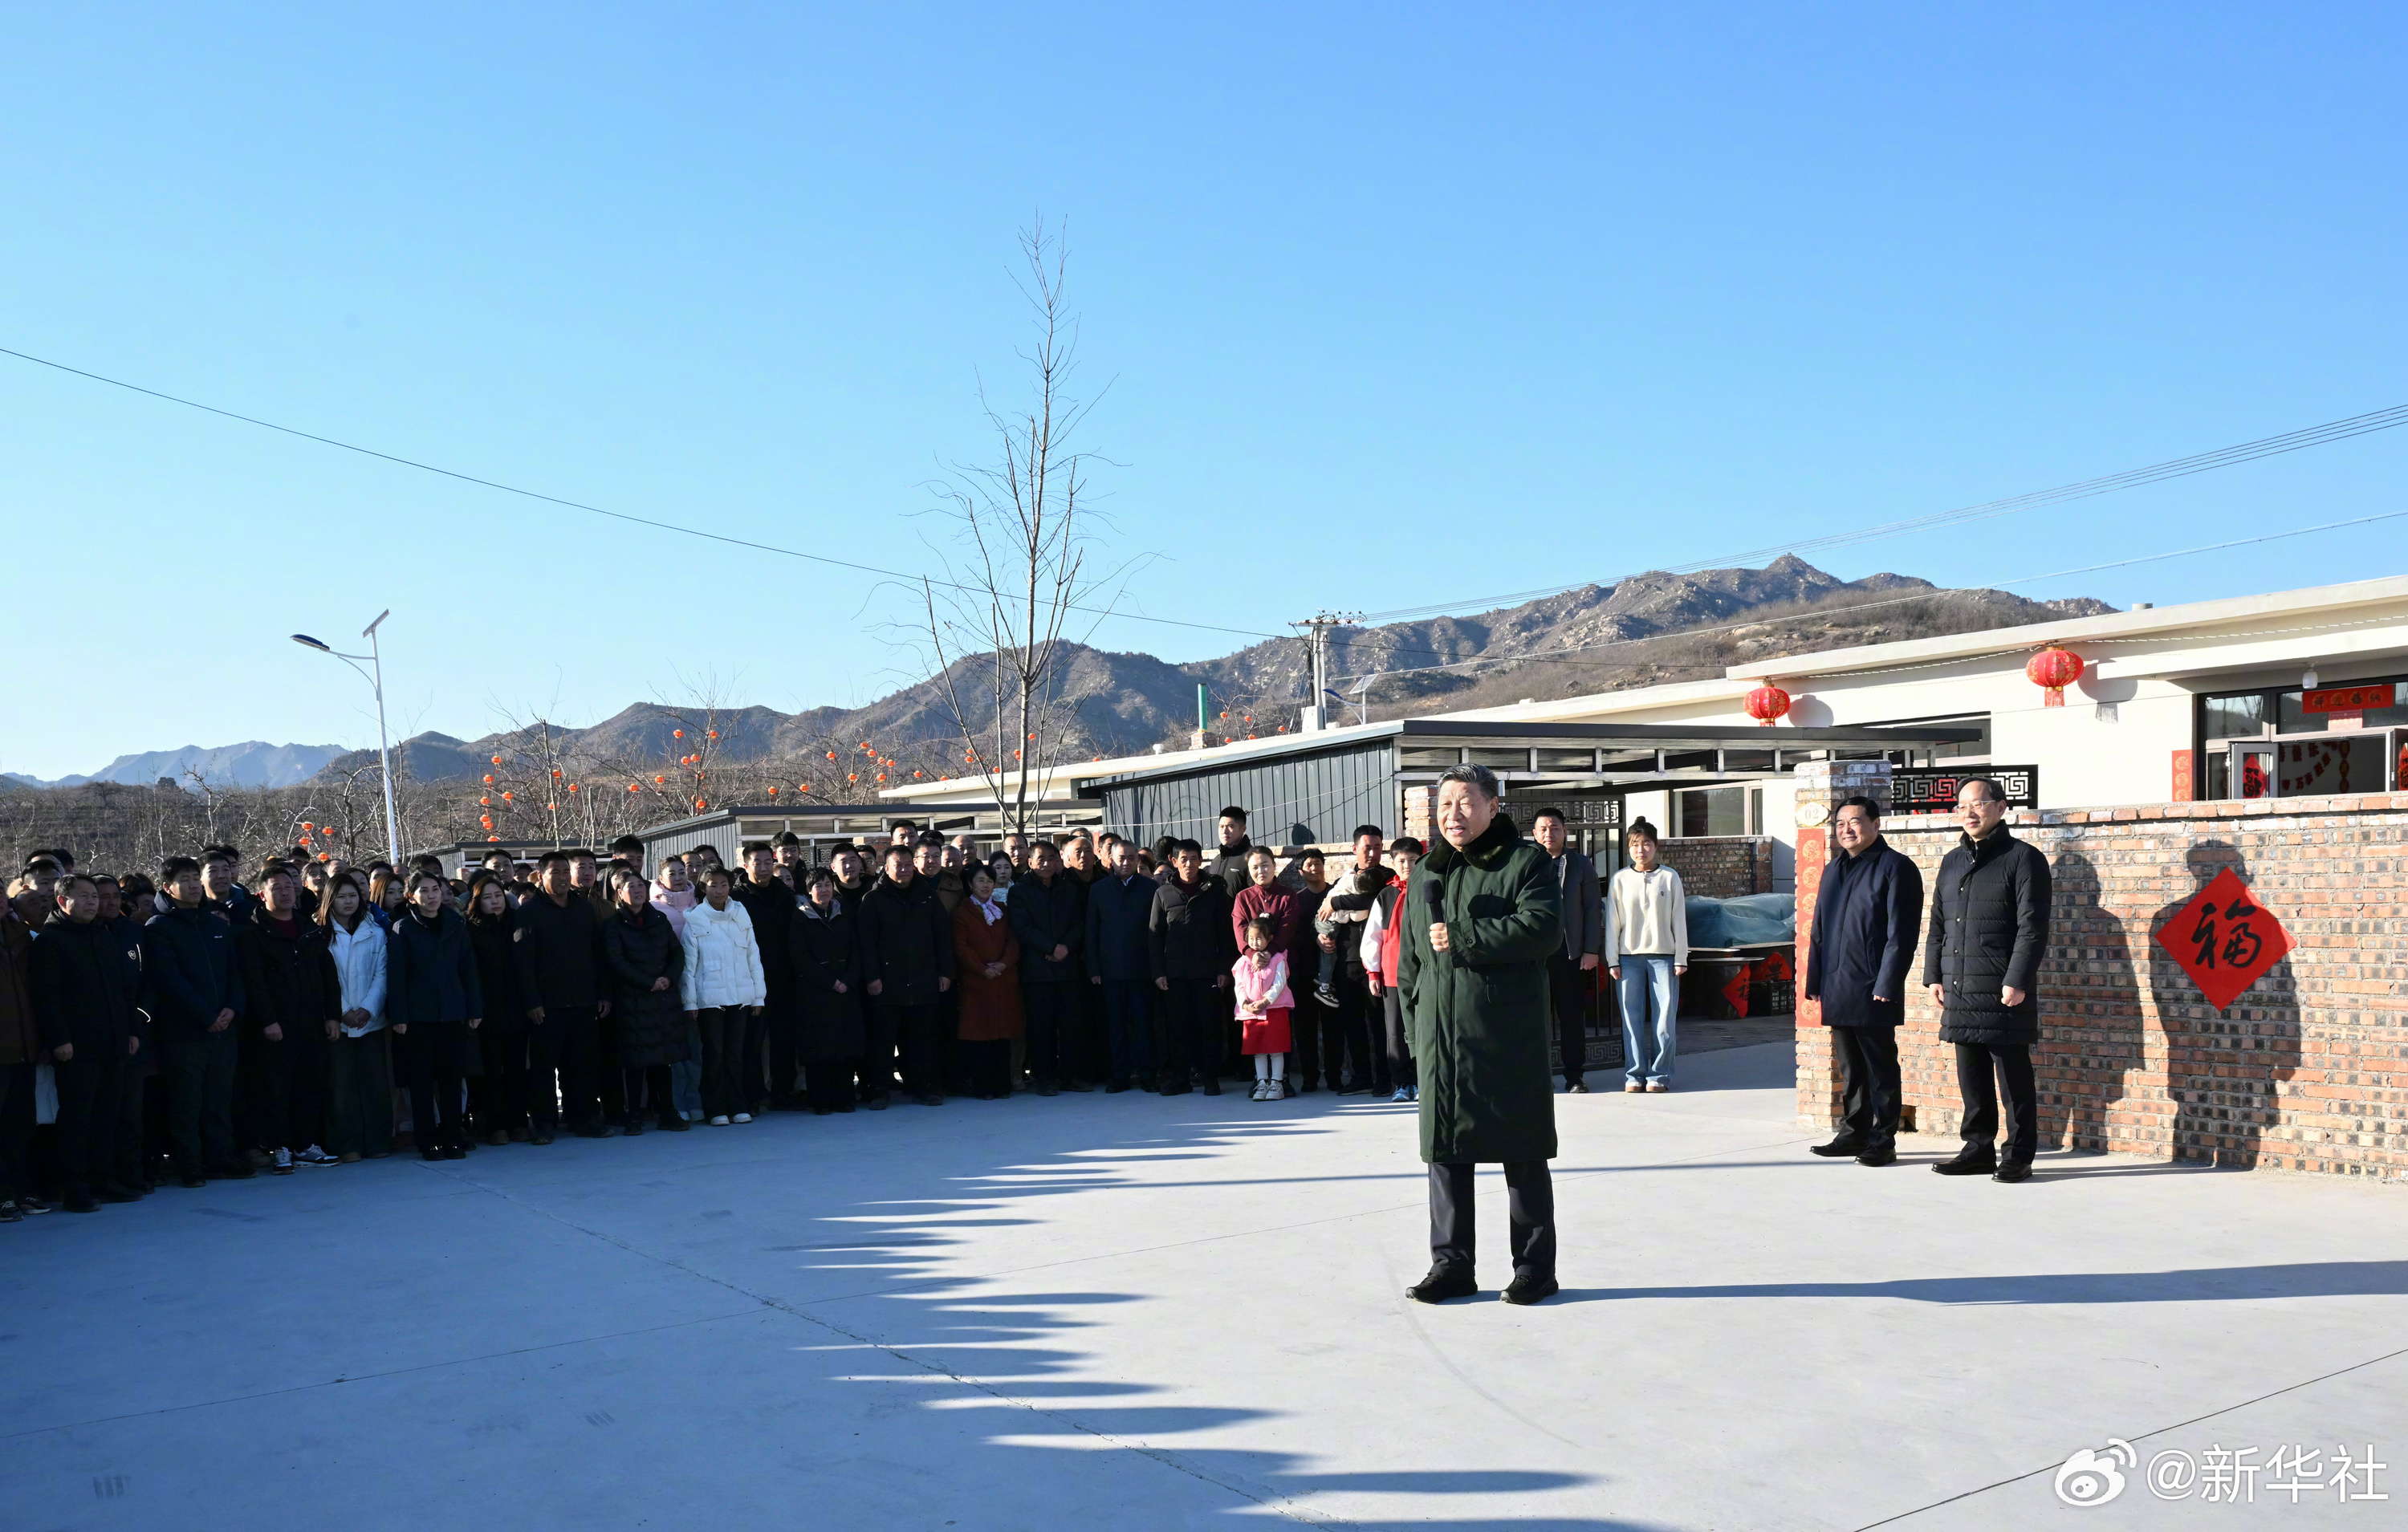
(783, 1025)
(564, 1068)
(2011, 1062)
(827, 1084)
(359, 1094)
(16, 1131)
(200, 1101)
(754, 1066)
(126, 1135)
(1129, 1029)
(1366, 1066)
(879, 1041)
(651, 1090)
(1400, 1048)
(1529, 1210)
(284, 1087)
(606, 1077)
(1095, 1055)
(499, 1095)
(1057, 1015)
(1187, 1030)
(985, 1066)
(1313, 1028)
(1568, 990)
(434, 1100)
(1868, 1060)
(723, 1061)
(918, 1035)
(86, 1140)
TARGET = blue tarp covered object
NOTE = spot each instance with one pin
(1752, 920)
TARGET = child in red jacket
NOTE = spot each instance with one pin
(1263, 1007)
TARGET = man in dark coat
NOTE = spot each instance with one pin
(1049, 915)
(1191, 950)
(557, 945)
(1572, 974)
(1482, 913)
(1989, 934)
(296, 997)
(21, 1054)
(1868, 917)
(1347, 907)
(86, 976)
(1120, 963)
(769, 1037)
(194, 987)
(907, 962)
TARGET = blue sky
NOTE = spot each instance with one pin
(1397, 307)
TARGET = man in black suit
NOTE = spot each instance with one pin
(1868, 915)
(1571, 973)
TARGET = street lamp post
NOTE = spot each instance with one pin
(375, 678)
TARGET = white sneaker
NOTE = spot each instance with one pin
(315, 1155)
(1259, 1084)
(741, 1117)
(280, 1164)
(719, 1122)
(1279, 1091)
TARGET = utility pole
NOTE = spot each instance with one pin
(1317, 626)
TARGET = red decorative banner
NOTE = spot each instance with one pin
(2223, 938)
(2346, 699)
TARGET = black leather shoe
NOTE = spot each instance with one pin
(635, 1128)
(1974, 1162)
(597, 1130)
(1211, 1085)
(1440, 1285)
(1115, 1087)
(2011, 1170)
(1839, 1148)
(1577, 1087)
(1046, 1087)
(1878, 1154)
(115, 1193)
(674, 1124)
(193, 1183)
(1530, 1288)
(81, 1202)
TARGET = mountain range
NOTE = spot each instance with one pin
(254, 763)
(1640, 631)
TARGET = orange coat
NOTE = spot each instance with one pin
(989, 1007)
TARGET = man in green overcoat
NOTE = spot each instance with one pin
(1478, 920)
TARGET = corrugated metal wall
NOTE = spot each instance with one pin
(721, 836)
(1297, 799)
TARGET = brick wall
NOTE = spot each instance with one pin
(2305, 1070)
(1721, 867)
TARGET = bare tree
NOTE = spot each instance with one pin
(995, 621)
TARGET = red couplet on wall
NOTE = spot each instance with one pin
(2183, 777)
(2346, 699)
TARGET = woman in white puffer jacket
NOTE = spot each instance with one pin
(724, 989)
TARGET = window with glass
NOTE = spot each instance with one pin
(2226, 718)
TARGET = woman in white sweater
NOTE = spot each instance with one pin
(1647, 951)
(723, 985)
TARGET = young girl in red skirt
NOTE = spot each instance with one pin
(1263, 1005)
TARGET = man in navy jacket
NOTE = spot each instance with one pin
(195, 989)
(1868, 915)
(1119, 958)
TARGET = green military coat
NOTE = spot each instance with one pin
(1478, 1013)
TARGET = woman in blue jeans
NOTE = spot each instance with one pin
(1647, 951)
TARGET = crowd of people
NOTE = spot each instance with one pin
(225, 1020)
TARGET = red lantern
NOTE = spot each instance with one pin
(677, 734)
(498, 760)
(489, 779)
(510, 797)
(853, 776)
(572, 787)
(487, 803)
(553, 807)
(658, 778)
(305, 825)
(712, 733)
(831, 755)
(697, 805)
(1768, 704)
(634, 787)
(485, 820)
(491, 838)
(803, 787)
(555, 773)
(325, 857)
(2054, 669)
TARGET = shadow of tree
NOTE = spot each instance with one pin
(2303, 1279)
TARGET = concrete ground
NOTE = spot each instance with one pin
(1097, 1312)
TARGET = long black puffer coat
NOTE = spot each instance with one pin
(825, 952)
(638, 947)
(1990, 930)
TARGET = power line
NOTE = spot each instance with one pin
(1554, 655)
(2181, 467)
(580, 505)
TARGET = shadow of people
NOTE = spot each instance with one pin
(2092, 1042)
(2223, 1066)
(2295, 1280)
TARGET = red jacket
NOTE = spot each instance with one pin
(1277, 902)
